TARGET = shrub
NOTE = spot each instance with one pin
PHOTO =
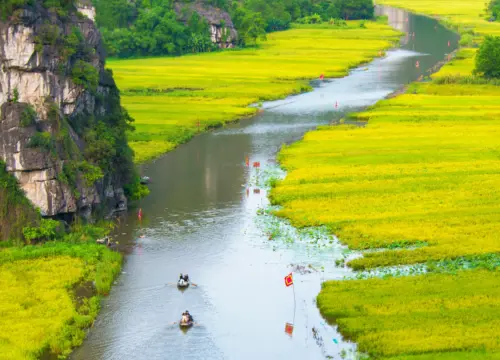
(28, 116)
(43, 140)
(46, 231)
(15, 95)
(488, 58)
(84, 74)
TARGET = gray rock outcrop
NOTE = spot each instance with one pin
(35, 74)
(222, 30)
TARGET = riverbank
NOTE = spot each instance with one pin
(419, 183)
(173, 99)
(50, 293)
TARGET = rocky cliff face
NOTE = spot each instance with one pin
(62, 129)
(223, 32)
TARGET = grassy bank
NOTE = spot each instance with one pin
(420, 183)
(169, 97)
(50, 294)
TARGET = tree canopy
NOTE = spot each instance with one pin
(488, 58)
(152, 27)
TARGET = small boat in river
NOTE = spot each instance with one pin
(186, 321)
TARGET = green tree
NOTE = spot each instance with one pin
(488, 58)
(355, 9)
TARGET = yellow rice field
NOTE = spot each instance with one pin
(421, 178)
(427, 317)
(169, 97)
(35, 304)
(423, 172)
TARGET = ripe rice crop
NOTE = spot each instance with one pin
(422, 179)
(40, 316)
(434, 316)
(172, 99)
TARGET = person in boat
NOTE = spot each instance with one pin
(189, 316)
(186, 278)
(181, 277)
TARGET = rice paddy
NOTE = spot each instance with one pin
(433, 316)
(41, 311)
(420, 184)
(172, 99)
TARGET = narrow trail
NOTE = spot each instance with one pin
(201, 220)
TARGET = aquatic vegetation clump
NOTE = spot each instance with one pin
(173, 99)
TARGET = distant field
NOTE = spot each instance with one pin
(420, 183)
(168, 97)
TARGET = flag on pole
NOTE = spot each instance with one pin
(289, 280)
(289, 329)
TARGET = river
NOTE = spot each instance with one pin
(199, 219)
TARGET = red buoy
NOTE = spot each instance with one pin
(417, 65)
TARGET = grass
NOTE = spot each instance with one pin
(40, 310)
(423, 173)
(172, 99)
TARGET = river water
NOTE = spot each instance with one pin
(201, 219)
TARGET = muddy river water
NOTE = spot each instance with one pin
(199, 219)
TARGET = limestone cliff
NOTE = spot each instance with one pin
(222, 30)
(62, 129)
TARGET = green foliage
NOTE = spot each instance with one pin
(86, 75)
(43, 140)
(15, 210)
(28, 116)
(494, 9)
(46, 231)
(488, 58)
(7, 7)
(135, 190)
(91, 173)
(355, 9)
(15, 95)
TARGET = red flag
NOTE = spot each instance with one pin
(256, 164)
(289, 329)
(289, 280)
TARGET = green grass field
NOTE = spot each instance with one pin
(169, 97)
(39, 309)
(420, 183)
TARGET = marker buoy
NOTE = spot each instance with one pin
(336, 104)
(247, 161)
(449, 44)
(417, 64)
(139, 214)
(322, 77)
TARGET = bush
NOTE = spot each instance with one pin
(488, 58)
(84, 74)
(42, 140)
(46, 231)
(28, 116)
